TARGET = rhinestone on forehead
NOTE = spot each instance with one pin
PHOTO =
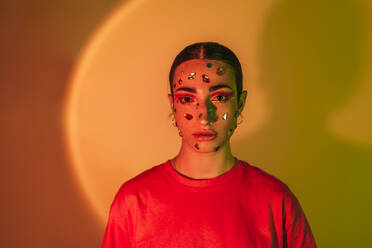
(220, 70)
(209, 65)
(205, 78)
(224, 116)
(191, 76)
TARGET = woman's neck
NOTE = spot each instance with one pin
(198, 165)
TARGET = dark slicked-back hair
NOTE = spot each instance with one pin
(209, 50)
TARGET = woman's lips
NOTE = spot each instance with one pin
(205, 136)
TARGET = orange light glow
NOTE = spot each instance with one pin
(117, 109)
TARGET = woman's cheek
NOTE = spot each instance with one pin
(227, 120)
(185, 115)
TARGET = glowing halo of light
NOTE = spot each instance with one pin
(94, 53)
(71, 96)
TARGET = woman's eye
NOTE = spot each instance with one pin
(221, 98)
(185, 99)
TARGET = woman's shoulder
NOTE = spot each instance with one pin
(141, 181)
(262, 180)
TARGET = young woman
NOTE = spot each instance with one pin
(206, 197)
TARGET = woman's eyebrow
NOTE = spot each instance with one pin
(219, 86)
(212, 88)
(192, 90)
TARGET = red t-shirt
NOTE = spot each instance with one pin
(244, 207)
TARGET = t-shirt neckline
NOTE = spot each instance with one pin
(226, 176)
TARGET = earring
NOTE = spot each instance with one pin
(239, 121)
(174, 123)
(237, 115)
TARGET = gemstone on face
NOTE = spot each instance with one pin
(220, 70)
(196, 146)
(217, 148)
(200, 115)
(209, 65)
(180, 81)
(205, 78)
(188, 116)
(236, 114)
(174, 110)
(191, 76)
(224, 116)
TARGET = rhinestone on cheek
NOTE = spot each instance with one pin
(188, 116)
(217, 148)
(196, 146)
(209, 65)
(200, 115)
(224, 116)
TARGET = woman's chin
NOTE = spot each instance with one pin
(206, 147)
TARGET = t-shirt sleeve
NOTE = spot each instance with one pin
(119, 230)
(297, 231)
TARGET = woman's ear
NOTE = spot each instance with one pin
(242, 99)
(171, 102)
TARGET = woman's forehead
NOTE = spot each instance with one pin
(203, 72)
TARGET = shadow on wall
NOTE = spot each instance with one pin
(311, 60)
(42, 204)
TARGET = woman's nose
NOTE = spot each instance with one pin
(208, 112)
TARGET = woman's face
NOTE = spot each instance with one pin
(205, 103)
